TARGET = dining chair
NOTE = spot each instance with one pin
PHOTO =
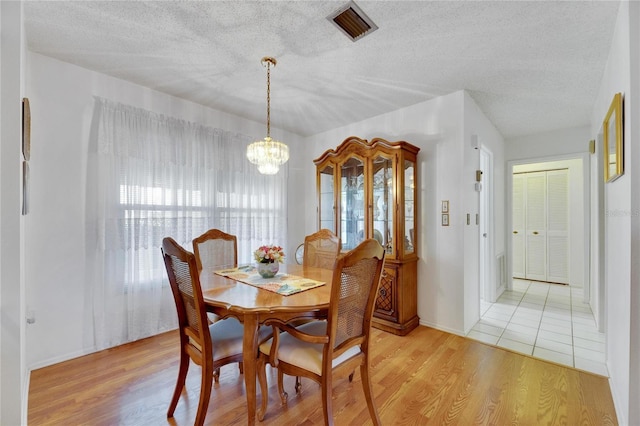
(210, 346)
(321, 249)
(215, 248)
(321, 349)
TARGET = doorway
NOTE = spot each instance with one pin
(576, 190)
(543, 320)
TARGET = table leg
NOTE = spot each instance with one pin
(249, 354)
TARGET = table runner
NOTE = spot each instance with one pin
(284, 284)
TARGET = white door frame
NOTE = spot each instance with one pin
(586, 177)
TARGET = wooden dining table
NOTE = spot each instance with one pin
(254, 307)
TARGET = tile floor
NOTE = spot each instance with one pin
(547, 321)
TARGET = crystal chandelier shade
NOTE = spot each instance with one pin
(268, 154)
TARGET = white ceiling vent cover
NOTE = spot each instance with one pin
(352, 21)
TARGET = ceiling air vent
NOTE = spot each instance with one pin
(352, 21)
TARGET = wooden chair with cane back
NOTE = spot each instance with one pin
(320, 350)
(321, 249)
(210, 346)
(215, 248)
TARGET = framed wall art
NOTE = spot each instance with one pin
(26, 129)
(613, 140)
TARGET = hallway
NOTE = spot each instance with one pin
(547, 321)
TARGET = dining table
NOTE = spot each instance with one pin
(253, 306)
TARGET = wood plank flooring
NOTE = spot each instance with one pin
(427, 377)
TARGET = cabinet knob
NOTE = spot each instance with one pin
(535, 232)
(515, 232)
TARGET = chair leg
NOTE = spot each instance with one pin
(205, 393)
(264, 388)
(368, 393)
(298, 384)
(281, 392)
(351, 375)
(182, 375)
(216, 375)
(327, 408)
(241, 367)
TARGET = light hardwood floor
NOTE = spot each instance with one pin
(427, 377)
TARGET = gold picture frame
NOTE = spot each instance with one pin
(26, 129)
(613, 140)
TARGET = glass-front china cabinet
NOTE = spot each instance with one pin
(367, 190)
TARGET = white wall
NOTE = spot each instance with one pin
(13, 373)
(556, 143)
(478, 125)
(617, 233)
(61, 97)
(438, 128)
(633, 110)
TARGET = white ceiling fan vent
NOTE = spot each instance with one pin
(352, 21)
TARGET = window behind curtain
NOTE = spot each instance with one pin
(152, 176)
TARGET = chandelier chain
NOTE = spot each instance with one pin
(268, 154)
(268, 98)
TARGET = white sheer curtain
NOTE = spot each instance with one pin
(150, 176)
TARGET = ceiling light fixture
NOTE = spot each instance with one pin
(268, 154)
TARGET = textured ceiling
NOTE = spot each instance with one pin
(531, 66)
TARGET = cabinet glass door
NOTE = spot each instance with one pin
(383, 202)
(352, 213)
(409, 206)
(326, 205)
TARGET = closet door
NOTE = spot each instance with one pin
(518, 222)
(558, 226)
(536, 235)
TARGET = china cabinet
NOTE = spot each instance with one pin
(367, 189)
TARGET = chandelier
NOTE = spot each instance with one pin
(267, 153)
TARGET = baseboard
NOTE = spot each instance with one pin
(25, 397)
(61, 358)
(439, 327)
(617, 401)
(500, 290)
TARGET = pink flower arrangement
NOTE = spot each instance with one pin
(269, 254)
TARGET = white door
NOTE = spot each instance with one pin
(518, 220)
(558, 226)
(488, 282)
(541, 226)
(536, 226)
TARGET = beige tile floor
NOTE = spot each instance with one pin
(547, 321)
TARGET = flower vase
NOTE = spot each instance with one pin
(268, 270)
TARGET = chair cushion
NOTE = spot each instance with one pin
(303, 354)
(227, 335)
